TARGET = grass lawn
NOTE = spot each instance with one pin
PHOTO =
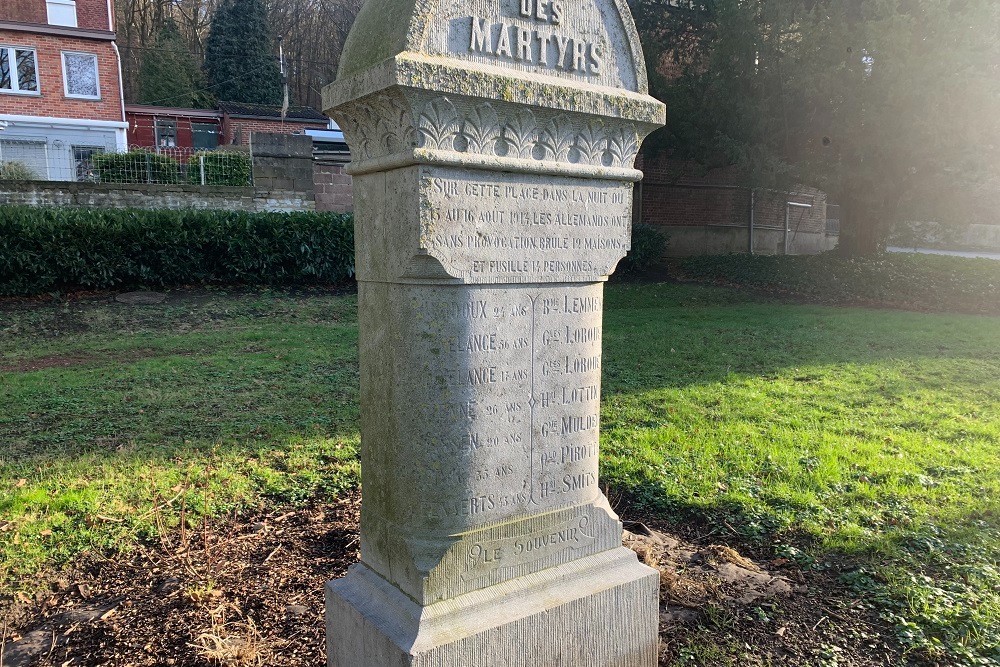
(866, 441)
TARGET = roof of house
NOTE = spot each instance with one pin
(334, 135)
(243, 110)
(152, 110)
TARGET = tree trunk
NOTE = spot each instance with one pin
(862, 229)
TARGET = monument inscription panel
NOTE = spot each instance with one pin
(513, 228)
(552, 37)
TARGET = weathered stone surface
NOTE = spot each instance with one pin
(599, 611)
(498, 389)
(493, 144)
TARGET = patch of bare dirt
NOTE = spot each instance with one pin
(46, 362)
(771, 610)
(249, 591)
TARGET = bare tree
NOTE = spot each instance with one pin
(313, 33)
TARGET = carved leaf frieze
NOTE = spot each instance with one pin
(439, 124)
(520, 135)
(482, 129)
(623, 146)
(395, 124)
(557, 138)
(367, 132)
(590, 143)
(351, 129)
(384, 125)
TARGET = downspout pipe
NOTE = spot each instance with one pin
(123, 143)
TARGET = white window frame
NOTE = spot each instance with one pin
(97, 75)
(12, 59)
(61, 3)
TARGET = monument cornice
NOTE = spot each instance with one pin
(451, 76)
(392, 126)
(476, 162)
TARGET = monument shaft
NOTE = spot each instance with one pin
(492, 156)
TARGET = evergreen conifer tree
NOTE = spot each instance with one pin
(241, 61)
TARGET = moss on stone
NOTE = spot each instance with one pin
(380, 32)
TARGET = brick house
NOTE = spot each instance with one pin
(231, 123)
(239, 120)
(60, 85)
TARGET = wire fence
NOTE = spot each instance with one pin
(27, 160)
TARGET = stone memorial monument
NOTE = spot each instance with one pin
(492, 146)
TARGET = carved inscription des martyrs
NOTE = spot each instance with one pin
(543, 45)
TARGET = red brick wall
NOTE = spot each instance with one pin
(333, 188)
(661, 171)
(90, 14)
(240, 128)
(679, 205)
(27, 11)
(53, 101)
(770, 210)
(675, 194)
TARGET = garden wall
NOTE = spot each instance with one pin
(334, 192)
(152, 196)
(709, 214)
(282, 177)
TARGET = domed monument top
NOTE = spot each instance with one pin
(588, 41)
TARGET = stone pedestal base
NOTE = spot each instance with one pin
(598, 611)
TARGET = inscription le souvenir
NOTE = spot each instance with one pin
(493, 144)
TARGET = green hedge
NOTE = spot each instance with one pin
(646, 255)
(221, 168)
(57, 249)
(911, 281)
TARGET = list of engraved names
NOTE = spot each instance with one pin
(516, 422)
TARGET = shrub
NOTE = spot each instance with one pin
(221, 168)
(48, 249)
(913, 281)
(648, 244)
(137, 167)
(13, 170)
(920, 234)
